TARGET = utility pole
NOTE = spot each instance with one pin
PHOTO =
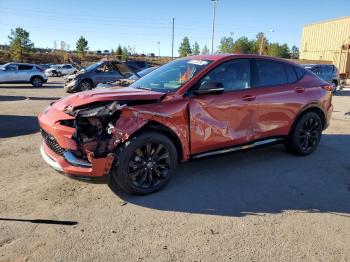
(158, 48)
(213, 29)
(172, 40)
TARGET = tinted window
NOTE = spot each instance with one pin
(24, 67)
(291, 74)
(11, 67)
(234, 75)
(300, 72)
(326, 70)
(269, 73)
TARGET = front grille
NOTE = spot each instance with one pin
(51, 142)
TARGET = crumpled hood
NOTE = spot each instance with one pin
(106, 94)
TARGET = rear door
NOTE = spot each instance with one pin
(24, 72)
(279, 97)
(223, 120)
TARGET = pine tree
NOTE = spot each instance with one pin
(185, 47)
(195, 49)
(19, 43)
(82, 46)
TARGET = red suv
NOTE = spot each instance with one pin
(189, 108)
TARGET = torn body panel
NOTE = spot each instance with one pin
(172, 114)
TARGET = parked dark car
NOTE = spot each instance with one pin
(101, 72)
(128, 81)
(137, 65)
(327, 72)
(189, 108)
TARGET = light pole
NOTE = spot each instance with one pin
(213, 29)
(158, 48)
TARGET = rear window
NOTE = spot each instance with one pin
(25, 67)
(300, 72)
(291, 74)
(269, 73)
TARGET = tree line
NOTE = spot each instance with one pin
(20, 43)
(260, 45)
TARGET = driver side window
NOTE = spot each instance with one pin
(233, 75)
(11, 68)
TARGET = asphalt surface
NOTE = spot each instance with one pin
(261, 205)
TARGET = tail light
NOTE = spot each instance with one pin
(328, 88)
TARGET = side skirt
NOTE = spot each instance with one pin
(258, 143)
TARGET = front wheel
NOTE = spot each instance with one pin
(86, 85)
(306, 134)
(146, 163)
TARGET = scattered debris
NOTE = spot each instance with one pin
(213, 232)
(122, 203)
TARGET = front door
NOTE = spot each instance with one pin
(223, 120)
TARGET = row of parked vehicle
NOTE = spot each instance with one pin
(86, 78)
(109, 73)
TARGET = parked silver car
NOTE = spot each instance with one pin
(22, 73)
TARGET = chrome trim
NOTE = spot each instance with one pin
(73, 160)
(237, 148)
(50, 161)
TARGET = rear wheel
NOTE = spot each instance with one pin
(37, 81)
(306, 134)
(146, 163)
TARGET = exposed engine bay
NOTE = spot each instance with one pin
(95, 126)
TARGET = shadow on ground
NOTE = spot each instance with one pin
(20, 98)
(14, 125)
(267, 180)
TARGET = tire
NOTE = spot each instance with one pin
(145, 163)
(85, 85)
(306, 135)
(59, 74)
(37, 81)
(334, 84)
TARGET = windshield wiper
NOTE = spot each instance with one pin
(144, 88)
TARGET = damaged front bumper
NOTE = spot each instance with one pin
(70, 165)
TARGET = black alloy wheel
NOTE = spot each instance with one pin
(306, 135)
(149, 165)
(145, 163)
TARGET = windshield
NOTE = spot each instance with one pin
(93, 66)
(171, 76)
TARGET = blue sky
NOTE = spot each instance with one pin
(141, 24)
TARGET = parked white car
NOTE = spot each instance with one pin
(60, 70)
(22, 73)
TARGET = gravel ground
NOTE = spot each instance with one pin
(262, 205)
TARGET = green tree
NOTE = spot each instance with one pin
(277, 50)
(195, 49)
(19, 43)
(185, 47)
(244, 46)
(82, 46)
(125, 54)
(226, 45)
(119, 52)
(205, 50)
(295, 52)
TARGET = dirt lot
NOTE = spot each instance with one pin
(263, 205)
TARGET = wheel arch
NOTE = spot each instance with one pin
(168, 132)
(32, 77)
(310, 108)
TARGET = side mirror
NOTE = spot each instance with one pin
(210, 88)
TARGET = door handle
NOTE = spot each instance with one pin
(299, 89)
(248, 98)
